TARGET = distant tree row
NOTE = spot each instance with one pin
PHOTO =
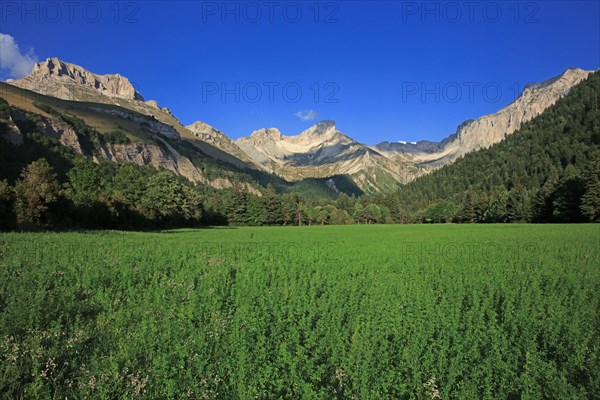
(131, 197)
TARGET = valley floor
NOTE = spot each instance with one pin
(364, 312)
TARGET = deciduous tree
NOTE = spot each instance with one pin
(36, 192)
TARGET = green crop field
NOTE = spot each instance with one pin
(353, 312)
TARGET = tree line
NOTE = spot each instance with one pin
(127, 196)
(111, 196)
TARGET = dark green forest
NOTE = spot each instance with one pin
(548, 171)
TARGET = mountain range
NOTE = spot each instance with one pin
(147, 134)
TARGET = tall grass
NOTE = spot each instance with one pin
(364, 312)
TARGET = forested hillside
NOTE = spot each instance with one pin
(546, 172)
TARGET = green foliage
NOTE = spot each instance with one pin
(103, 196)
(273, 207)
(168, 198)
(324, 312)
(468, 211)
(129, 183)
(318, 188)
(4, 109)
(441, 212)
(116, 137)
(7, 198)
(289, 208)
(37, 192)
(518, 205)
(372, 213)
(566, 200)
(85, 182)
(256, 212)
(590, 201)
(237, 207)
(13, 159)
(345, 202)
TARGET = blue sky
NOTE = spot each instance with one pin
(383, 70)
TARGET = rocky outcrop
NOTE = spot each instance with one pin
(209, 134)
(49, 127)
(10, 132)
(159, 155)
(67, 81)
(320, 144)
(165, 156)
(485, 131)
(145, 154)
(218, 139)
(535, 99)
(47, 77)
(63, 132)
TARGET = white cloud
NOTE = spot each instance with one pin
(307, 115)
(13, 60)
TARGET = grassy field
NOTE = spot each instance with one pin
(363, 312)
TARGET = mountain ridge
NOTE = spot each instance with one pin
(320, 151)
(322, 144)
(111, 85)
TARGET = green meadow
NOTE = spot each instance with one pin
(331, 312)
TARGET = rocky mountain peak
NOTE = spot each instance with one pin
(207, 132)
(569, 76)
(533, 100)
(267, 133)
(320, 128)
(47, 75)
(574, 70)
(200, 127)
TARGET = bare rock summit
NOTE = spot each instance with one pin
(57, 78)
